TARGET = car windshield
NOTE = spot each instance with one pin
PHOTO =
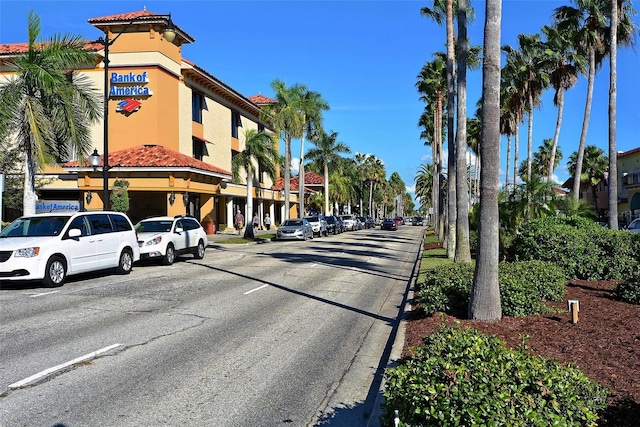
(154, 226)
(312, 218)
(292, 223)
(330, 220)
(35, 226)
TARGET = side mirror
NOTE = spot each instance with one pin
(75, 232)
(179, 230)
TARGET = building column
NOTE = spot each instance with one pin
(230, 214)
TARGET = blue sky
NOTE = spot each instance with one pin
(361, 56)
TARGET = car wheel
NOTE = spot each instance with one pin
(169, 256)
(55, 273)
(199, 253)
(126, 262)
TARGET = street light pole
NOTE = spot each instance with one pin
(169, 34)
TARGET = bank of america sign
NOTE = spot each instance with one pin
(129, 84)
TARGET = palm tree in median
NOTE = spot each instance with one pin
(258, 154)
(484, 303)
(48, 106)
(327, 150)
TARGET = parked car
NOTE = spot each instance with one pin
(399, 220)
(165, 237)
(294, 229)
(370, 222)
(350, 222)
(339, 223)
(389, 224)
(333, 224)
(634, 226)
(365, 222)
(417, 220)
(52, 246)
(319, 225)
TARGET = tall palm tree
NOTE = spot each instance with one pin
(49, 108)
(508, 123)
(530, 63)
(587, 23)
(310, 106)
(484, 303)
(375, 173)
(568, 63)
(259, 154)
(424, 185)
(594, 167)
(327, 151)
(619, 22)
(398, 188)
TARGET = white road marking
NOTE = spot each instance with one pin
(44, 293)
(62, 366)
(256, 289)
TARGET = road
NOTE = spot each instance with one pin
(281, 333)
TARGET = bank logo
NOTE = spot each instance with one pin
(128, 106)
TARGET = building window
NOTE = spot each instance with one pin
(199, 149)
(260, 174)
(197, 105)
(235, 123)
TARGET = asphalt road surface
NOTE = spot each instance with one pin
(274, 334)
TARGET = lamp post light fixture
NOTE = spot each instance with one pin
(169, 35)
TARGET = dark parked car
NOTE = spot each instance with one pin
(371, 223)
(417, 220)
(332, 225)
(389, 224)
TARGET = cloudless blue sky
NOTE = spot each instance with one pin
(361, 56)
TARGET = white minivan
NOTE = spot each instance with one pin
(49, 247)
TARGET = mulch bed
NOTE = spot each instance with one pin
(604, 343)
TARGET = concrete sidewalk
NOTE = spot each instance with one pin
(225, 235)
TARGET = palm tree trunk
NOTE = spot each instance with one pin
(287, 174)
(326, 189)
(530, 137)
(484, 304)
(556, 135)
(506, 176)
(29, 196)
(613, 155)
(248, 217)
(585, 124)
(462, 250)
(451, 233)
(516, 147)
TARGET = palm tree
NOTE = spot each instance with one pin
(49, 108)
(327, 151)
(398, 188)
(620, 22)
(508, 123)
(542, 159)
(310, 106)
(484, 303)
(259, 154)
(424, 185)
(530, 64)
(564, 75)
(286, 120)
(594, 166)
(375, 173)
(587, 23)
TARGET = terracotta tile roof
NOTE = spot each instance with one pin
(154, 156)
(310, 178)
(123, 16)
(260, 99)
(19, 48)
(141, 16)
(630, 152)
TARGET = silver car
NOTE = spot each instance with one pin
(294, 229)
(634, 226)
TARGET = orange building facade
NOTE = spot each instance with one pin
(173, 130)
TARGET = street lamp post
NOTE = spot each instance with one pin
(169, 35)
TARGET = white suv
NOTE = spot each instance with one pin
(49, 247)
(166, 237)
(318, 224)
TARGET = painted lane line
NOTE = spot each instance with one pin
(256, 289)
(62, 366)
(44, 293)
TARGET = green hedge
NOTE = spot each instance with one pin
(523, 287)
(461, 377)
(582, 248)
(629, 290)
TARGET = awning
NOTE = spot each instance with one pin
(635, 202)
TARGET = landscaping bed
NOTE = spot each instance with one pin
(604, 343)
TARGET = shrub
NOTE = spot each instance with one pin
(629, 290)
(523, 285)
(582, 248)
(461, 377)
